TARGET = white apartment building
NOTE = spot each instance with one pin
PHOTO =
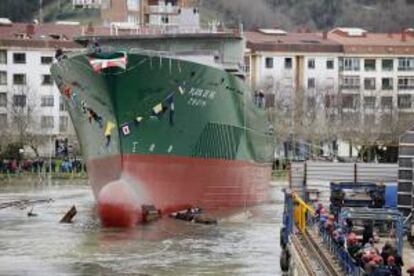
(347, 65)
(86, 3)
(292, 60)
(26, 54)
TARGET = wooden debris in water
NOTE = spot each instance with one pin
(31, 214)
(68, 217)
(150, 213)
(24, 203)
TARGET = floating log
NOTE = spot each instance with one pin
(68, 217)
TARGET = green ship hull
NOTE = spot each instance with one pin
(164, 131)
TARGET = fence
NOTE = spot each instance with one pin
(316, 176)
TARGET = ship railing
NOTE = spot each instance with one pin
(122, 28)
(345, 260)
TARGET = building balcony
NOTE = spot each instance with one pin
(351, 88)
(168, 9)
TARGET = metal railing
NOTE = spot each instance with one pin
(346, 262)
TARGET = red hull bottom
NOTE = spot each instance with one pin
(172, 183)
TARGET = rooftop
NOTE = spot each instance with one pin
(44, 35)
(376, 43)
(290, 42)
(347, 40)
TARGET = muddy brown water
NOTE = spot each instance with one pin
(244, 244)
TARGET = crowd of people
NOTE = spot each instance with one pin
(363, 251)
(40, 165)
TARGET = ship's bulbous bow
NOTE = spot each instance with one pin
(118, 205)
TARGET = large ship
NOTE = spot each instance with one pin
(167, 120)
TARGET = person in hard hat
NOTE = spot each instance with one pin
(393, 267)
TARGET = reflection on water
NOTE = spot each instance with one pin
(41, 246)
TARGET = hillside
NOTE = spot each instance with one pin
(384, 15)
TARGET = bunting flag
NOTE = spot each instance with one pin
(100, 64)
(157, 110)
(170, 101)
(181, 90)
(67, 91)
(108, 132)
(74, 96)
(138, 121)
(109, 127)
(125, 129)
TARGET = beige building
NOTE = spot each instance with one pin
(362, 72)
(150, 12)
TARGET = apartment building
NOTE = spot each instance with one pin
(292, 61)
(86, 4)
(26, 86)
(377, 69)
(292, 66)
(349, 66)
(154, 13)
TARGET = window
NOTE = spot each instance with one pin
(330, 101)
(369, 64)
(3, 78)
(311, 83)
(311, 63)
(3, 57)
(311, 102)
(133, 19)
(386, 102)
(406, 64)
(269, 62)
(47, 80)
(369, 83)
(46, 60)
(3, 120)
(19, 100)
(106, 4)
(47, 101)
(330, 64)
(387, 84)
(19, 58)
(3, 99)
(405, 83)
(387, 64)
(288, 83)
(369, 102)
(19, 79)
(404, 101)
(349, 64)
(330, 83)
(63, 123)
(350, 101)
(133, 5)
(62, 104)
(350, 82)
(288, 63)
(164, 19)
(47, 122)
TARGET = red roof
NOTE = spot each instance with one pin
(335, 41)
(376, 43)
(45, 35)
(291, 42)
